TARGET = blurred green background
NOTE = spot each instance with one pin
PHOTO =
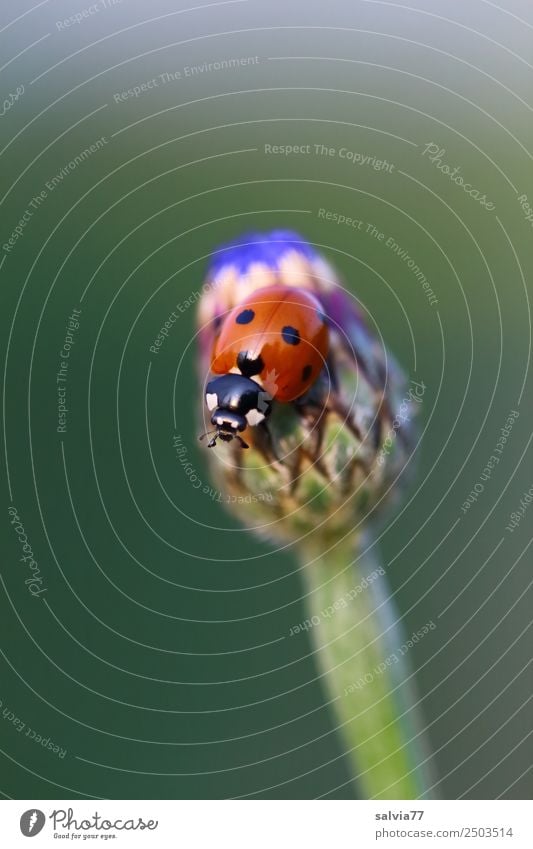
(159, 655)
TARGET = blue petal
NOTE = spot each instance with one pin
(267, 248)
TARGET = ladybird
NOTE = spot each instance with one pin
(271, 347)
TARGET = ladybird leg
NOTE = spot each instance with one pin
(315, 423)
(294, 470)
(312, 400)
(264, 443)
(269, 447)
(319, 429)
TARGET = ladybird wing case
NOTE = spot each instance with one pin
(279, 336)
(250, 264)
(258, 261)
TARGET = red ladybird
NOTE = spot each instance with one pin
(273, 345)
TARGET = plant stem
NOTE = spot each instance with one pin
(366, 673)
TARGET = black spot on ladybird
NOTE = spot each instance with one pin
(306, 373)
(248, 365)
(290, 335)
(245, 317)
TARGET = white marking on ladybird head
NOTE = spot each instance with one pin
(253, 417)
(264, 400)
(211, 399)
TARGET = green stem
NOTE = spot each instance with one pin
(366, 674)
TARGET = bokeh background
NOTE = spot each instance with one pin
(157, 657)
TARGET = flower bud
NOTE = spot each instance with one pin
(330, 458)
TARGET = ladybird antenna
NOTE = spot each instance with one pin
(207, 433)
(212, 442)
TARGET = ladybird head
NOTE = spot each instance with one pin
(235, 402)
